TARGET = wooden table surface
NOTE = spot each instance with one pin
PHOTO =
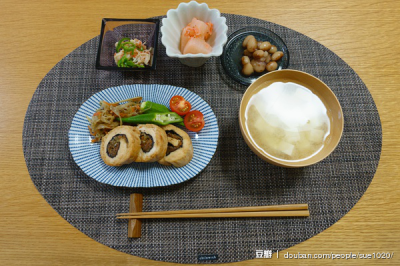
(35, 35)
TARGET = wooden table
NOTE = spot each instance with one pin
(35, 35)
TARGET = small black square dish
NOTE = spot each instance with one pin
(128, 44)
(233, 51)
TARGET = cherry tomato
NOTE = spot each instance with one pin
(179, 105)
(194, 121)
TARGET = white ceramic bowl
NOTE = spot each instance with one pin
(178, 18)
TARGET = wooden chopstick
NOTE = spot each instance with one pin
(290, 207)
(220, 215)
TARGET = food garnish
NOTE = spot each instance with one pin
(179, 105)
(160, 119)
(131, 111)
(132, 53)
(150, 107)
(194, 121)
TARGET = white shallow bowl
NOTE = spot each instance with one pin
(178, 18)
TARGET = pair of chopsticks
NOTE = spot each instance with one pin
(291, 210)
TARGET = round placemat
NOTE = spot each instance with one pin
(234, 177)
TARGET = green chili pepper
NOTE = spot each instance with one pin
(122, 61)
(119, 45)
(125, 62)
(129, 47)
(181, 124)
(130, 64)
(160, 119)
(150, 107)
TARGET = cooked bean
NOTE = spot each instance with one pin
(277, 55)
(265, 46)
(273, 49)
(258, 66)
(247, 53)
(245, 60)
(247, 69)
(258, 54)
(252, 45)
(271, 66)
(247, 39)
(267, 57)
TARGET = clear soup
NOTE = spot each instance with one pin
(287, 121)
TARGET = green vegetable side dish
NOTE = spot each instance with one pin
(160, 119)
(132, 53)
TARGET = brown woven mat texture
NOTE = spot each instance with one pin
(234, 177)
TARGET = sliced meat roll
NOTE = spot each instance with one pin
(120, 146)
(180, 148)
(153, 141)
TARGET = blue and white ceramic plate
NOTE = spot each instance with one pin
(87, 154)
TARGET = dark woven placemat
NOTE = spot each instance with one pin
(234, 177)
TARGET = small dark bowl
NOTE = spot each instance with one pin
(233, 52)
(114, 29)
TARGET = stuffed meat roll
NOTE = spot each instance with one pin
(120, 146)
(153, 141)
(180, 148)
